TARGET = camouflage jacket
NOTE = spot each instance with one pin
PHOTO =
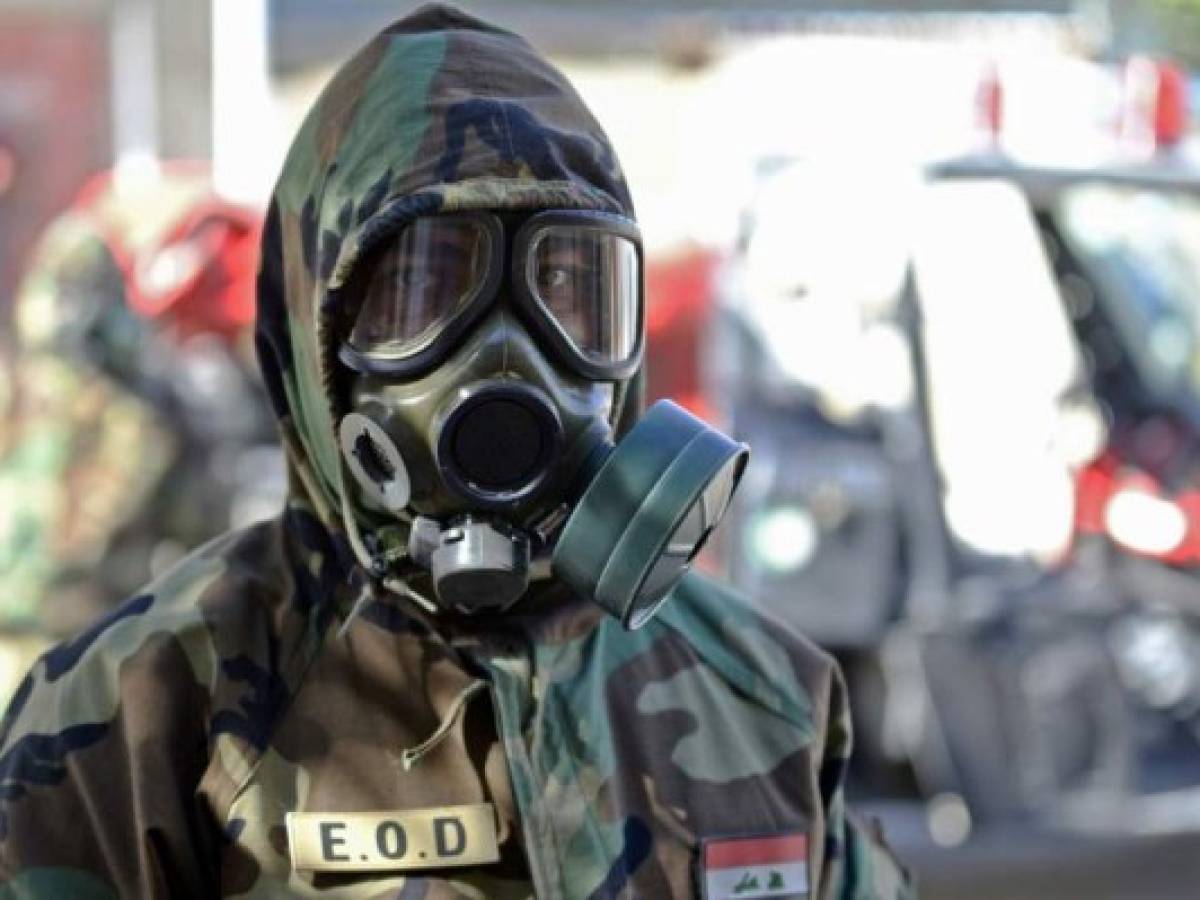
(160, 753)
(85, 495)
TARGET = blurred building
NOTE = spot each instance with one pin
(85, 84)
(81, 82)
(306, 31)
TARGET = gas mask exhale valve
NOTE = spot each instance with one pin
(477, 566)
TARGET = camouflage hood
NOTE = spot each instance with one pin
(439, 112)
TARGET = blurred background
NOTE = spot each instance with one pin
(938, 262)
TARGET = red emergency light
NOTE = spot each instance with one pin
(1154, 110)
(1133, 509)
(989, 104)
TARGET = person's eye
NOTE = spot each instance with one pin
(417, 277)
(554, 279)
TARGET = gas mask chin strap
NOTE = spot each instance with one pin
(361, 554)
(374, 563)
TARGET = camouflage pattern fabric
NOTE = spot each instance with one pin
(98, 448)
(81, 453)
(81, 456)
(157, 754)
(84, 456)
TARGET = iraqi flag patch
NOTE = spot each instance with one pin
(743, 868)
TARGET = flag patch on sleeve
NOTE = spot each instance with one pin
(743, 868)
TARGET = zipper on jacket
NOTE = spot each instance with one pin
(512, 695)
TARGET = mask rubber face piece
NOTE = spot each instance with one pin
(496, 428)
(648, 512)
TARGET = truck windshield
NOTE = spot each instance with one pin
(1143, 248)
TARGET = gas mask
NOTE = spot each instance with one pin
(490, 357)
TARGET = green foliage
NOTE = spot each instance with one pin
(1175, 28)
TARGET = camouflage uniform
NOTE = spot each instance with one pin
(157, 754)
(81, 450)
(78, 457)
(97, 454)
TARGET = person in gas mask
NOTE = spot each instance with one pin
(467, 659)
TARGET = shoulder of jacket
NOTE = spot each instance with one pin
(764, 658)
(712, 609)
(200, 613)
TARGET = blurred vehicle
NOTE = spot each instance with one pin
(971, 389)
(806, 364)
(1056, 683)
(136, 428)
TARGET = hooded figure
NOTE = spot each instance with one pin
(409, 683)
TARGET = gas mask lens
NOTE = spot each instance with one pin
(587, 282)
(575, 275)
(421, 283)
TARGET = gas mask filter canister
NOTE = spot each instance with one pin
(648, 512)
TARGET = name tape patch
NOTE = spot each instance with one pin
(745, 868)
(395, 840)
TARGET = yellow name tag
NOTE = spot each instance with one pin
(403, 839)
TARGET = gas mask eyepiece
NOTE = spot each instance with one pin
(574, 277)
